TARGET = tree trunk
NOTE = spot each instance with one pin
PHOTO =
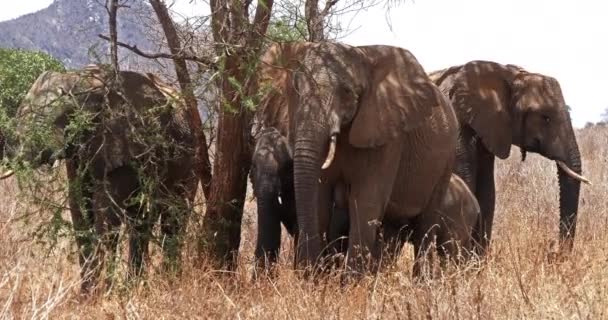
(112, 12)
(203, 165)
(238, 41)
(222, 222)
(315, 19)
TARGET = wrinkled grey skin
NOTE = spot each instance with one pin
(103, 161)
(503, 105)
(272, 181)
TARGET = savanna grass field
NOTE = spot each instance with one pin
(517, 281)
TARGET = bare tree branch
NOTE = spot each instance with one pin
(328, 5)
(133, 48)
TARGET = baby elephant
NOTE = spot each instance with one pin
(457, 216)
(272, 179)
(450, 226)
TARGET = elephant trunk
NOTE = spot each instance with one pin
(307, 169)
(269, 223)
(569, 189)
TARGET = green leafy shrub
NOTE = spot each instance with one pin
(18, 71)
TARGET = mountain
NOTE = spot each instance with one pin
(68, 30)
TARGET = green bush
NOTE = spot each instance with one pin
(18, 71)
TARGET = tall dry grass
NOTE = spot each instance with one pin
(517, 281)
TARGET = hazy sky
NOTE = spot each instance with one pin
(562, 38)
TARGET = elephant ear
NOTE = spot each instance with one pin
(399, 97)
(481, 97)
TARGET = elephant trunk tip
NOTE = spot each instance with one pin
(332, 152)
(572, 174)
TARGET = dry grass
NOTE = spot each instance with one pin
(517, 281)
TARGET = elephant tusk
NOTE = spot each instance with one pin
(571, 173)
(56, 163)
(331, 153)
(6, 174)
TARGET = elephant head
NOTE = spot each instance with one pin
(272, 162)
(505, 105)
(62, 111)
(43, 114)
(372, 94)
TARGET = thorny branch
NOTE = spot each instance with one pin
(133, 48)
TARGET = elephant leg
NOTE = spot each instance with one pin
(365, 215)
(269, 232)
(338, 230)
(289, 219)
(107, 226)
(428, 226)
(448, 246)
(140, 232)
(79, 197)
(338, 224)
(174, 221)
(486, 196)
(394, 237)
(424, 241)
(111, 241)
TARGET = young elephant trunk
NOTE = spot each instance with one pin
(569, 189)
(269, 224)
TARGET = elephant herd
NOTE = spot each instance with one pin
(362, 151)
(359, 151)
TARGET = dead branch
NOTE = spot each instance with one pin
(133, 48)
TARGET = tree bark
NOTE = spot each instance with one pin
(203, 165)
(239, 42)
(315, 19)
(112, 12)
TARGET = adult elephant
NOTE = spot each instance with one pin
(502, 105)
(129, 158)
(370, 117)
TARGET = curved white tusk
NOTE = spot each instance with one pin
(56, 163)
(6, 174)
(571, 173)
(332, 152)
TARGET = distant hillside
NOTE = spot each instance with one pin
(68, 29)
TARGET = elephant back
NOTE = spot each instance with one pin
(142, 121)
